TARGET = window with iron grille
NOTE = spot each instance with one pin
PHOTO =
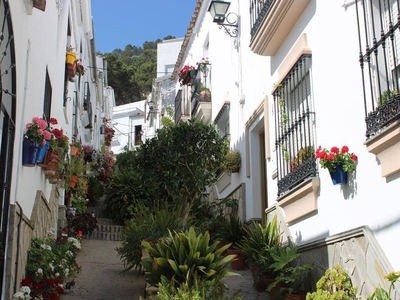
(379, 42)
(294, 127)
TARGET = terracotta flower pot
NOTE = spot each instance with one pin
(239, 262)
(50, 169)
(73, 180)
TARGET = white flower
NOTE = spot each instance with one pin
(39, 271)
(57, 274)
(69, 253)
(18, 296)
(51, 267)
(25, 289)
(66, 272)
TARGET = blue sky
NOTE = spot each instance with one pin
(118, 23)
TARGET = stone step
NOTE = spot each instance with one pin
(106, 230)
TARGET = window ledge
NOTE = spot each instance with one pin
(300, 201)
(386, 146)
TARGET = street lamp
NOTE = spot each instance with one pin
(218, 11)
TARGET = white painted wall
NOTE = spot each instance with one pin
(125, 118)
(41, 42)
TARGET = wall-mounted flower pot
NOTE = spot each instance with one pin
(30, 152)
(39, 4)
(73, 181)
(339, 176)
(71, 58)
(43, 152)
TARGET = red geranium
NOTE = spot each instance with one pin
(329, 159)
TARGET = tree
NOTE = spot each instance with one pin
(177, 165)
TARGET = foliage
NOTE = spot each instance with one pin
(386, 96)
(80, 69)
(184, 75)
(37, 131)
(200, 291)
(233, 161)
(232, 230)
(208, 215)
(83, 222)
(290, 273)
(146, 224)
(329, 159)
(203, 64)
(186, 257)
(191, 153)
(51, 263)
(258, 242)
(334, 285)
(382, 294)
(126, 188)
(59, 140)
(168, 118)
(108, 135)
(79, 203)
(303, 154)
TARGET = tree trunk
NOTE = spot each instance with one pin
(185, 213)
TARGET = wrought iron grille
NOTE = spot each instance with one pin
(294, 127)
(258, 11)
(379, 41)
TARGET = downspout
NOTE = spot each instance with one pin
(17, 256)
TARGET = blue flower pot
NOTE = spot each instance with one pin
(42, 152)
(339, 176)
(30, 152)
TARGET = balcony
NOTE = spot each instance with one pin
(201, 103)
(182, 104)
(271, 21)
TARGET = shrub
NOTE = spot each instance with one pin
(84, 222)
(335, 284)
(146, 224)
(187, 257)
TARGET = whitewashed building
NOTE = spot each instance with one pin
(128, 123)
(35, 83)
(322, 68)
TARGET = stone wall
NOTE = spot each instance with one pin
(357, 252)
(21, 230)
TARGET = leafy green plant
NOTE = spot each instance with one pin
(380, 293)
(290, 273)
(334, 285)
(200, 291)
(233, 161)
(386, 96)
(148, 224)
(258, 240)
(303, 154)
(186, 257)
(232, 230)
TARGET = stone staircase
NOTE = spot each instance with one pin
(107, 229)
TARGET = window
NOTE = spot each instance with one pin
(138, 135)
(47, 98)
(222, 121)
(379, 42)
(294, 126)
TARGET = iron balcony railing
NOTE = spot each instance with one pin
(258, 11)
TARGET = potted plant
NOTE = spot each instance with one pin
(335, 284)
(75, 175)
(291, 274)
(339, 162)
(303, 154)
(71, 61)
(185, 76)
(233, 161)
(35, 137)
(232, 231)
(257, 244)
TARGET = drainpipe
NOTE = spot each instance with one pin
(17, 256)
